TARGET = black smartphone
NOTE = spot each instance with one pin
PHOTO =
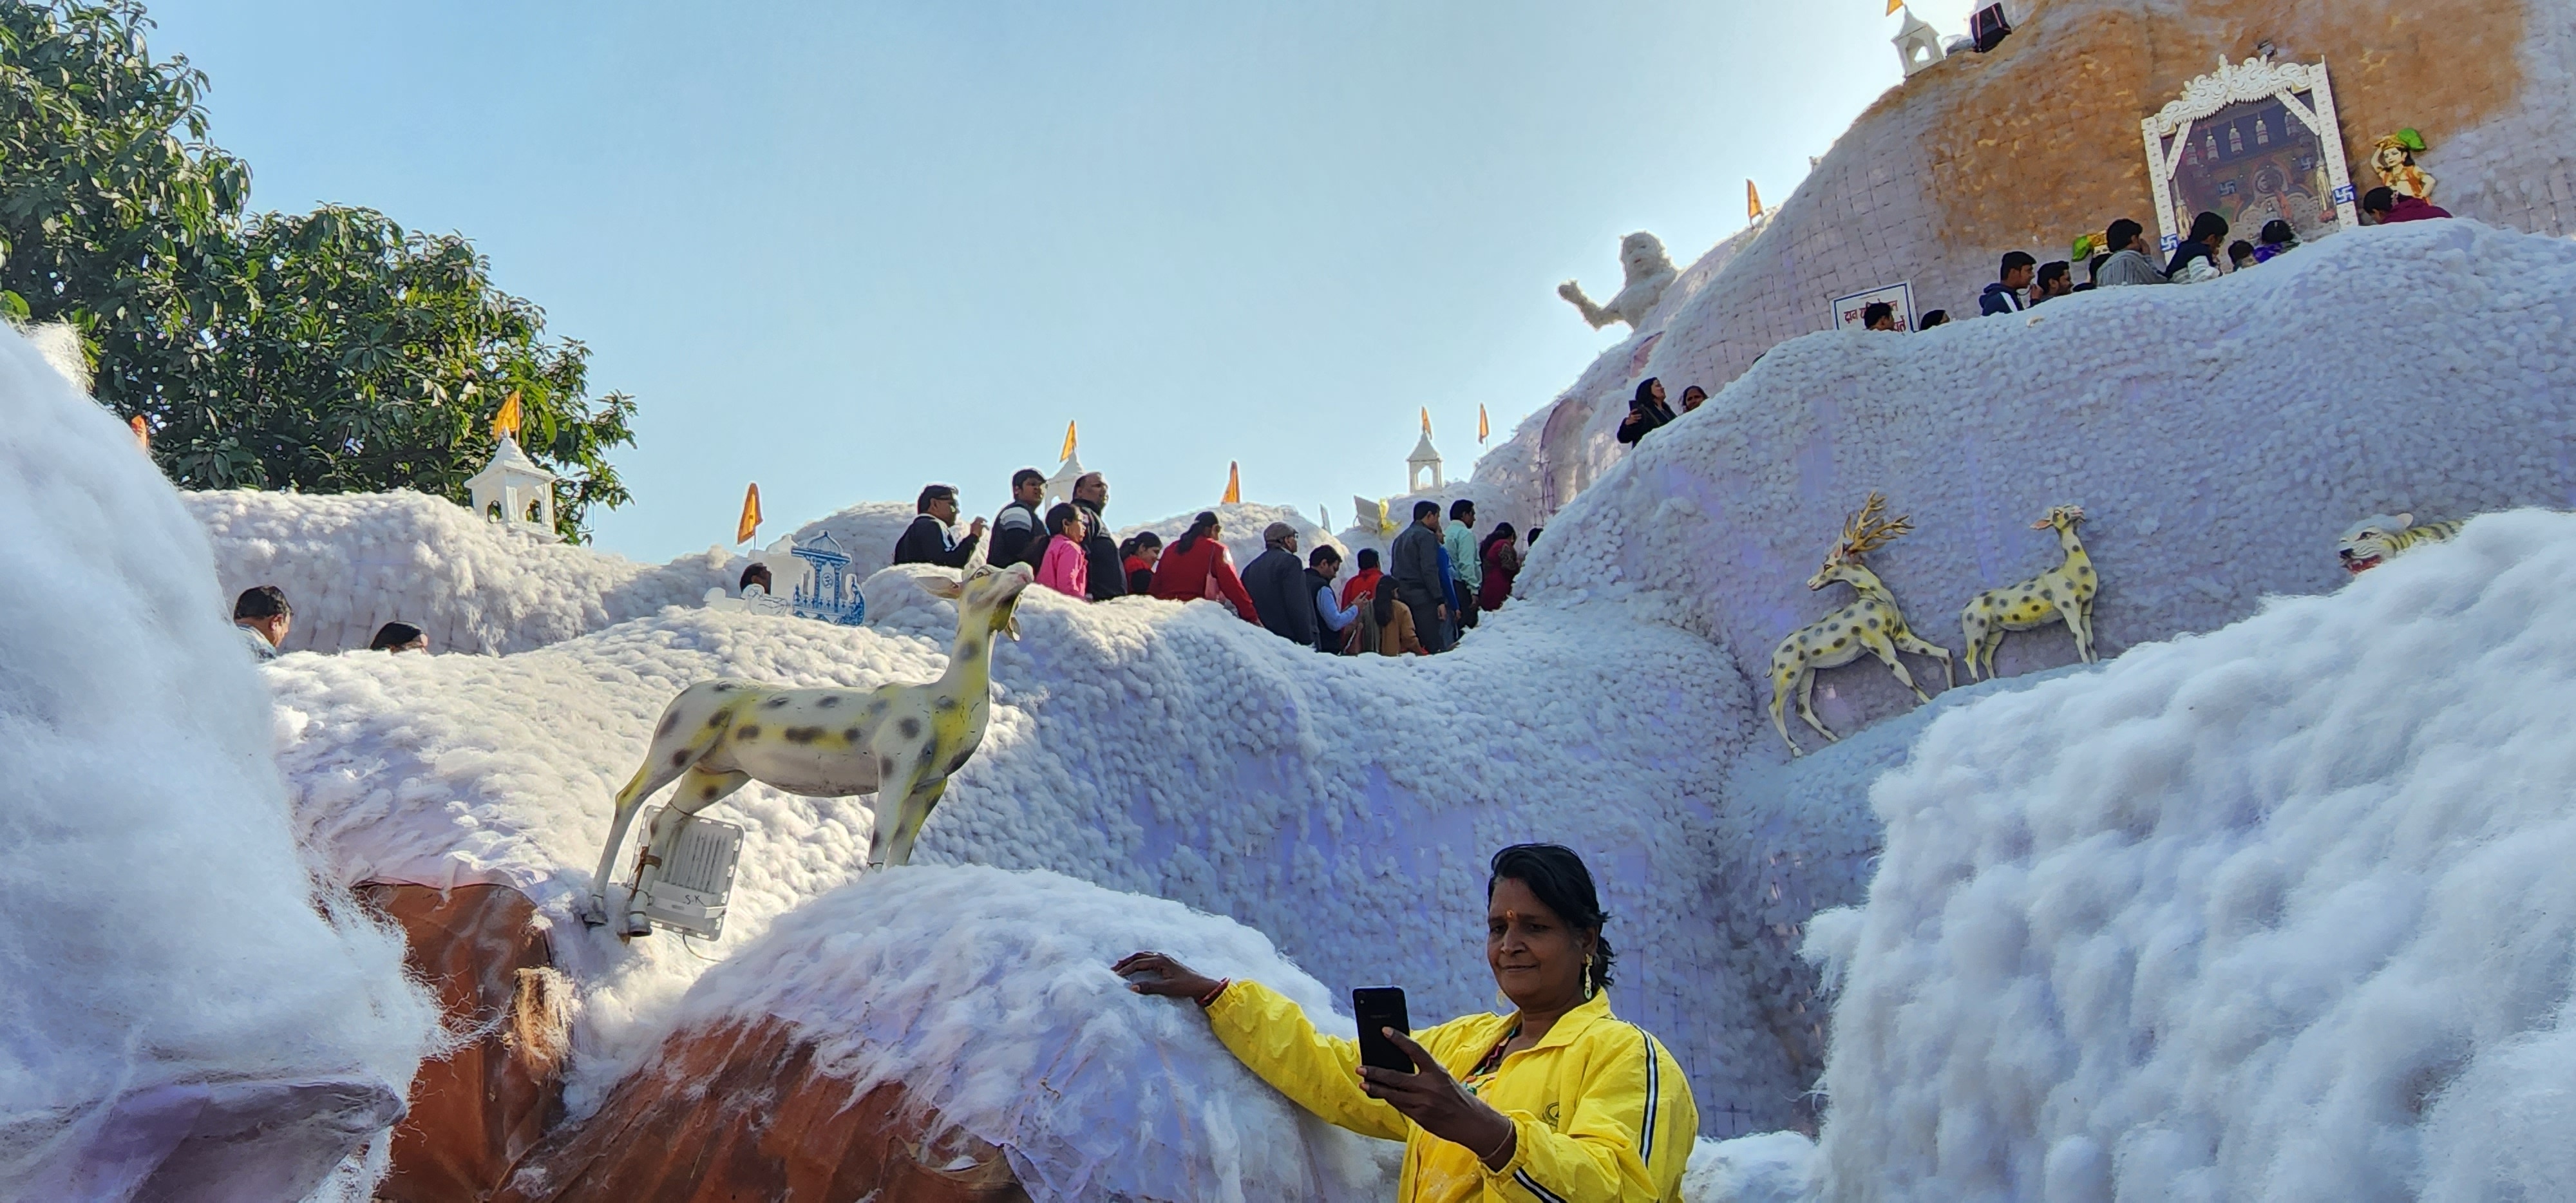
(1381, 1007)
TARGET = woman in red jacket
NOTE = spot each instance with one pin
(1196, 565)
(1502, 563)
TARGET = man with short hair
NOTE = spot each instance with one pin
(2056, 278)
(1459, 539)
(2388, 206)
(1017, 525)
(2004, 295)
(928, 540)
(1413, 565)
(2128, 263)
(1878, 315)
(1332, 618)
(1277, 583)
(1099, 547)
(263, 618)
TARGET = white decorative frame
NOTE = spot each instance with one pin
(2252, 80)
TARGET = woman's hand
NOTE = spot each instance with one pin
(1430, 1097)
(1154, 973)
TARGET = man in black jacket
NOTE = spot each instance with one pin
(1018, 524)
(1107, 568)
(1413, 563)
(927, 540)
(1277, 583)
(1333, 620)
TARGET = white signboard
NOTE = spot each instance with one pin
(1847, 310)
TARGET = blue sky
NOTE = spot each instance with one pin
(847, 249)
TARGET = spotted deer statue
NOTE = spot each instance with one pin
(2061, 594)
(899, 742)
(1871, 624)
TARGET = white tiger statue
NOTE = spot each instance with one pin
(1648, 271)
(2380, 536)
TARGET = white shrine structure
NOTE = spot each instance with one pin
(514, 492)
(1425, 457)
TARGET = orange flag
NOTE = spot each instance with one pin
(1752, 201)
(1893, 5)
(142, 433)
(1067, 453)
(1484, 426)
(750, 524)
(505, 424)
(1426, 419)
(1233, 484)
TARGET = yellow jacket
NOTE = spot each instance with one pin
(1603, 1111)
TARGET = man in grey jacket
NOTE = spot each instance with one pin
(1414, 565)
(1277, 583)
(2129, 263)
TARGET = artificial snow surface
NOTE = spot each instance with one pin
(353, 562)
(2278, 912)
(169, 965)
(971, 986)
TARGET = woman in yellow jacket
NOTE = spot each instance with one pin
(1558, 1102)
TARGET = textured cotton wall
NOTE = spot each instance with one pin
(352, 562)
(2281, 911)
(169, 968)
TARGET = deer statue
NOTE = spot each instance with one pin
(899, 742)
(2064, 593)
(1871, 623)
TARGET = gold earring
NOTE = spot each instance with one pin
(1587, 977)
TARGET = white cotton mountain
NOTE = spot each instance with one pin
(2281, 911)
(187, 1014)
(350, 563)
(969, 986)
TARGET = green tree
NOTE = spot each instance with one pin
(326, 352)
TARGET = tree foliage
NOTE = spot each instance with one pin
(331, 351)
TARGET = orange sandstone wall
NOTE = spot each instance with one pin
(2038, 142)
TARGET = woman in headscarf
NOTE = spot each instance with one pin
(1501, 562)
(1646, 411)
(1558, 1101)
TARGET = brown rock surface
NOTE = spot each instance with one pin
(474, 1112)
(740, 1112)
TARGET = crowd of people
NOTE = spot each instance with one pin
(1427, 592)
(2120, 258)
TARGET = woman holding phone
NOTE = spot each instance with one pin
(1558, 1102)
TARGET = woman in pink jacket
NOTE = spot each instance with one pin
(1062, 566)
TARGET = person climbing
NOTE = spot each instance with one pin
(1647, 412)
(1108, 580)
(1063, 563)
(1277, 583)
(928, 540)
(1196, 565)
(399, 637)
(1502, 563)
(2005, 294)
(263, 618)
(1137, 555)
(1559, 1100)
(1459, 540)
(1017, 525)
(2128, 264)
(1364, 579)
(2196, 260)
(2278, 238)
(1333, 621)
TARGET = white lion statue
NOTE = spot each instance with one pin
(1649, 272)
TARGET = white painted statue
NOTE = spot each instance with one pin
(1649, 272)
